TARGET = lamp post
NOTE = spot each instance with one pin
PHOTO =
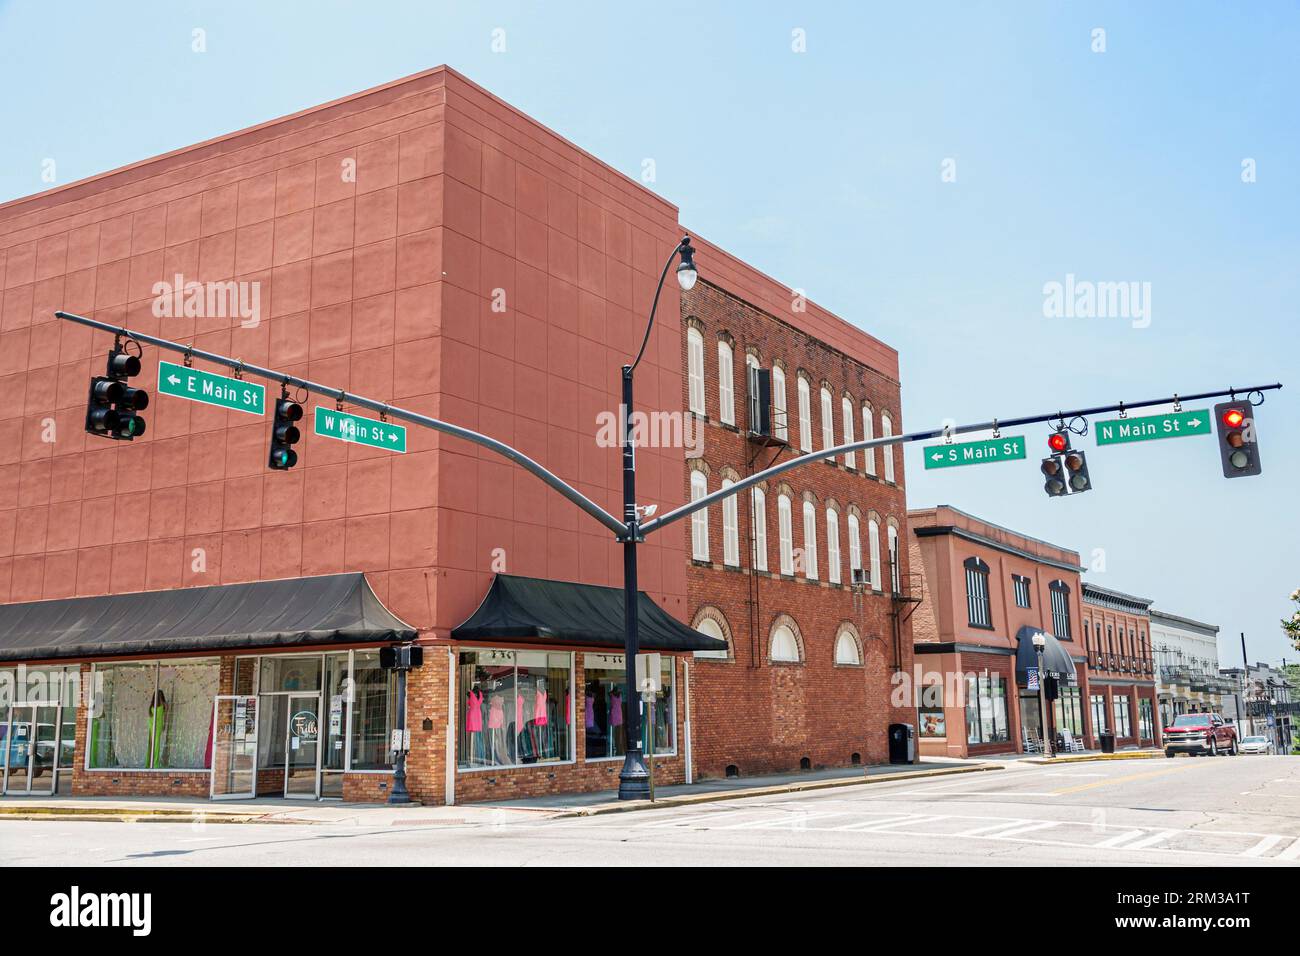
(634, 778)
(1040, 641)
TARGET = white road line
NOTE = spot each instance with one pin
(1152, 840)
(1120, 838)
(877, 827)
(896, 818)
(1006, 834)
(1067, 773)
(1260, 848)
(786, 820)
(682, 822)
(1290, 853)
(1000, 825)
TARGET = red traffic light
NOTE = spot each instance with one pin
(1058, 442)
(1233, 418)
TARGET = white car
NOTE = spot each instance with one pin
(1256, 745)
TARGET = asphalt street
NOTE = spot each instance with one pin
(1224, 812)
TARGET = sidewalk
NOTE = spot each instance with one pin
(278, 810)
(706, 791)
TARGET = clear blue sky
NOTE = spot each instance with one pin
(823, 169)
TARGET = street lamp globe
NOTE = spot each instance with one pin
(686, 273)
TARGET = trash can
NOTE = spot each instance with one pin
(1107, 742)
(902, 744)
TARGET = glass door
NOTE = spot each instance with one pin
(18, 749)
(45, 749)
(302, 752)
(234, 749)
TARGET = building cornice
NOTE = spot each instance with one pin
(934, 531)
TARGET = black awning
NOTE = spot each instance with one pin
(293, 611)
(536, 610)
(1056, 659)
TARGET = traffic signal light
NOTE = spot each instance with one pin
(285, 434)
(1065, 470)
(1238, 448)
(112, 411)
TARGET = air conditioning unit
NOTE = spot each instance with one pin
(860, 576)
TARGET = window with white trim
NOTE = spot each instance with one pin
(780, 418)
(855, 545)
(873, 549)
(895, 568)
(868, 434)
(805, 415)
(730, 529)
(726, 385)
(828, 420)
(832, 546)
(1060, 592)
(760, 529)
(695, 370)
(1021, 585)
(700, 519)
(887, 431)
(846, 411)
(810, 541)
(978, 610)
(846, 650)
(784, 646)
(710, 628)
(784, 520)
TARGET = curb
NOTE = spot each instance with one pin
(1057, 761)
(716, 796)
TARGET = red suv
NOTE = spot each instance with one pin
(1200, 734)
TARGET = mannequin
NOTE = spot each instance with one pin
(474, 723)
(157, 728)
(616, 741)
(496, 729)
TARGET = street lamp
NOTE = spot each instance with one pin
(1040, 641)
(634, 778)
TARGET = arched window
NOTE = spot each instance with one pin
(832, 546)
(847, 651)
(805, 416)
(895, 567)
(785, 533)
(760, 530)
(828, 420)
(695, 370)
(855, 545)
(730, 529)
(869, 433)
(873, 551)
(780, 420)
(846, 412)
(978, 611)
(726, 384)
(710, 628)
(810, 541)
(784, 646)
(1060, 592)
(700, 519)
(887, 431)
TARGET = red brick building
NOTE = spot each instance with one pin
(987, 590)
(422, 243)
(1121, 666)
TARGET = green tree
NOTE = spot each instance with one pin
(1291, 628)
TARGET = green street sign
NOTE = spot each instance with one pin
(1117, 431)
(975, 452)
(211, 388)
(360, 431)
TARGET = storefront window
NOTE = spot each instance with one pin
(155, 715)
(1068, 711)
(930, 713)
(1123, 727)
(1097, 704)
(986, 709)
(603, 698)
(514, 708)
(373, 694)
(1146, 723)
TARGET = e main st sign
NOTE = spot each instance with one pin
(211, 388)
(1117, 431)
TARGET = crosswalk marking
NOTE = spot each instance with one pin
(798, 819)
(896, 818)
(1042, 825)
(1000, 825)
(1263, 846)
(1292, 852)
(1120, 838)
(1150, 841)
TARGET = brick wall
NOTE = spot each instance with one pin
(750, 713)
